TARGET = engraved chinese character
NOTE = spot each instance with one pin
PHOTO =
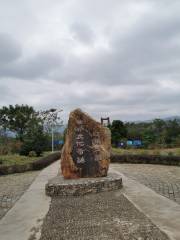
(80, 160)
(80, 151)
(79, 129)
(80, 136)
(96, 141)
(79, 143)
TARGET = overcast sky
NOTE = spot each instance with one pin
(117, 58)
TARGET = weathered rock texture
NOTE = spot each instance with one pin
(86, 152)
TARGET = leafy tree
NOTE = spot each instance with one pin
(134, 131)
(118, 131)
(172, 131)
(17, 118)
(34, 140)
(159, 125)
(148, 137)
(29, 126)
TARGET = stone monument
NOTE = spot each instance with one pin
(86, 152)
(85, 159)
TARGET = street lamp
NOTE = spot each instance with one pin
(54, 122)
(51, 118)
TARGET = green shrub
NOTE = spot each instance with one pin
(35, 140)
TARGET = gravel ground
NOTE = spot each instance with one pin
(164, 180)
(107, 215)
(12, 187)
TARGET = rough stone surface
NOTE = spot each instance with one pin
(77, 187)
(107, 215)
(86, 152)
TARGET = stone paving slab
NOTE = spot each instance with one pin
(164, 180)
(12, 187)
(107, 215)
(111, 215)
(25, 218)
(164, 212)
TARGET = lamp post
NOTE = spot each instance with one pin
(52, 135)
(52, 138)
(51, 120)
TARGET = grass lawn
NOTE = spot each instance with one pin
(15, 159)
(165, 151)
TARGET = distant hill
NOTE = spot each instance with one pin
(171, 118)
(165, 119)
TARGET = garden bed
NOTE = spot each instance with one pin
(146, 159)
(30, 165)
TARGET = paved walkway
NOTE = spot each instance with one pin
(164, 180)
(136, 212)
(108, 215)
(12, 187)
(23, 221)
(163, 212)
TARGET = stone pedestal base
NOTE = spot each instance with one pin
(59, 186)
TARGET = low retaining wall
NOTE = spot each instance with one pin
(146, 159)
(36, 165)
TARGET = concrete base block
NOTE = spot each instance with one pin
(59, 186)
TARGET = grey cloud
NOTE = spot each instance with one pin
(39, 66)
(82, 32)
(118, 72)
(10, 49)
(135, 58)
(6, 95)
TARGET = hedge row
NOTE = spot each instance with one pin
(115, 158)
(146, 159)
(36, 165)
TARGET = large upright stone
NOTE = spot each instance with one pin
(86, 152)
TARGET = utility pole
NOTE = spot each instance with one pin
(52, 140)
(51, 119)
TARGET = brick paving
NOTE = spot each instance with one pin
(12, 187)
(107, 215)
(164, 180)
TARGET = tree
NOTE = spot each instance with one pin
(172, 131)
(34, 140)
(17, 118)
(118, 131)
(148, 137)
